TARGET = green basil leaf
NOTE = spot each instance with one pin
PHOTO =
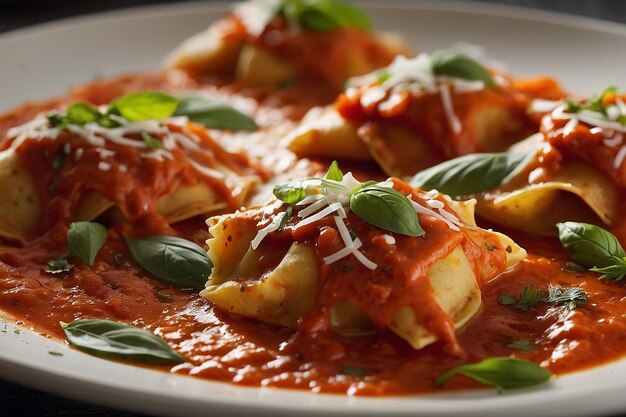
(286, 217)
(111, 339)
(150, 141)
(172, 259)
(596, 103)
(85, 239)
(471, 174)
(214, 115)
(81, 113)
(457, 65)
(56, 119)
(325, 15)
(334, 173)
(312, 18)
(145, 105)
(501, 372)
(386, 208)
(291, 192)
(590, 245)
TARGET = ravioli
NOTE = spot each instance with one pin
(256, 45)
(576, 173)
(408, 116)
(53, 175)
(420, 288)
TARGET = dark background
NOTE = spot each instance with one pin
(19, 401)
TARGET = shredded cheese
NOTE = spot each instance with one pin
(342, 253)
(390, 240)
(272, 227)
(614, 141)
(312, 208)
(347, 240)
(104, 166)
(323, 213)
(619, 158)
(448, 218)
(448, 108)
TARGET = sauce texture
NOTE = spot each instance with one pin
(230, 348)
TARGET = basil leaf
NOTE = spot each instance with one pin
(457, 65)
(145, 105)
(596, 103)
(172, 259)
(150, 141)
(501, 372)
(111, 339)
(286, 217)
(312, 18)
(386, 208)
(81, 113)
(334, 173)
(590, 245)
(325, 15)
(56, 119)
(85, 239)
(214, 115)
(471, 174)
(291, 192)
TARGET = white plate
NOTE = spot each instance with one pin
(46, 60)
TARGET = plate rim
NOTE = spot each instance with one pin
(147, 12)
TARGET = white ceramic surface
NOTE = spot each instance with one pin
(46, 60)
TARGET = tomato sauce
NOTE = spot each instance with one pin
(501, 110)
(229, 348)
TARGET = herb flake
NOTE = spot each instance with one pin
(58, 265)
(529, 296)
(522, 345)
(569, 297)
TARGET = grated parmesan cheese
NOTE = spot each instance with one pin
(451, 221)
(272, 227)
(619, 158)
(390, 240)
(104, 166)
(448, 108)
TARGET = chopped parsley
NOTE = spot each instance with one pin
(598, 103)
(58, 265)
(150, 141)
(283, 222)
(529, 296)
(58, 160)
(117, 259)
(568, 297)
(352, 370)
(523, 345)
